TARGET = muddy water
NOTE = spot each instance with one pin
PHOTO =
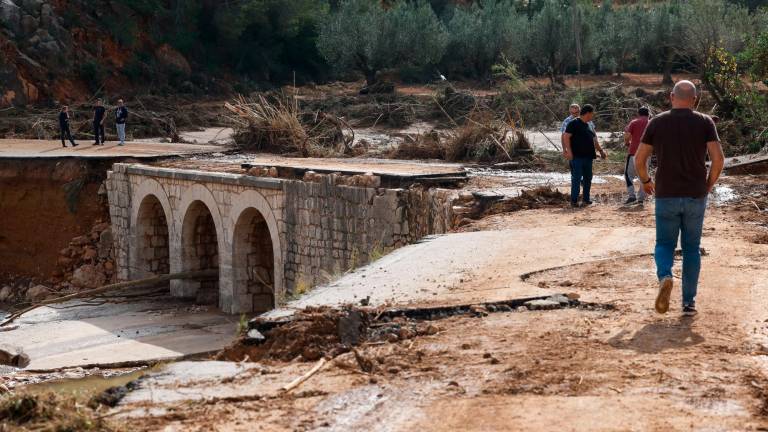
(87, 386)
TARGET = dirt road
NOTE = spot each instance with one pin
(580, 369)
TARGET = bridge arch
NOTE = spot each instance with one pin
(151, 218)
(255, 282)
(200, 242)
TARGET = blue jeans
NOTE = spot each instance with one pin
(581, 173)
(120, 132)
(684, 218)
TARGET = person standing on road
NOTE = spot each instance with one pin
(632, 135)
(681, 139)
(121, 115)
(99, 115)
(580, 147)
(64, 127)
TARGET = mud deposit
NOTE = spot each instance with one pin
(44, 205)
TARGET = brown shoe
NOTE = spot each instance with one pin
(662, 299)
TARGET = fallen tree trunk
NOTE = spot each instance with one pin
(196, 274)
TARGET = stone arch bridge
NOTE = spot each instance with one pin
(268, 237)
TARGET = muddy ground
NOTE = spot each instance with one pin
(616, 367)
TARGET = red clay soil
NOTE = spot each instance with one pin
(37, 219)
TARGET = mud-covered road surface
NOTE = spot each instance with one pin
(580, 369)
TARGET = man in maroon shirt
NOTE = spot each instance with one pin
(632, 134)
(681, 139)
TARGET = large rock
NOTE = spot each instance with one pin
(6, 293)
(13, 356)
(88, 276)
(38, 293)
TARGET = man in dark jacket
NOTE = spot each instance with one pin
(64, 127)
(121, 115)
(99, 115)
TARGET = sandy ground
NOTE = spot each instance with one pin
(572, 369)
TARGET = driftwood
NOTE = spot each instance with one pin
(196, 274)
(297, 382)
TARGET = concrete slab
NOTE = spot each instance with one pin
(111, 334)
(382, 167)
(747, 164)
(20, 148)
(473, 267)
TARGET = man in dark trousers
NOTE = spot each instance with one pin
(121, 115)
(681, 139)
(580, 147)
(64, 127)
(99, 115)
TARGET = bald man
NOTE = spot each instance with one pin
(681, 139)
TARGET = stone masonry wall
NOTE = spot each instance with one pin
(317, 229)
(330, 228)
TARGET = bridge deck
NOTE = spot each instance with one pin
(386, 168)
(37, 149)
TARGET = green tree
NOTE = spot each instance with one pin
(710, 24)
(620, 32)
(479, 35)
(363, 36)
(558, 38)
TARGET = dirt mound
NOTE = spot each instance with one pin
(325, 332)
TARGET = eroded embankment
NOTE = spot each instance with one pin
(44, 204)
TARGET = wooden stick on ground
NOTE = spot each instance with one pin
(195, 274)
(297, 382)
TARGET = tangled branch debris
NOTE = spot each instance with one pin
(278, 126)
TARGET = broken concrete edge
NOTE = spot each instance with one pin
(383, 174)
(144, 157)
(525, 276)
(258, 327)
(131, 363)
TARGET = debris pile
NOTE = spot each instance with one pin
(540, 197)
(277, 125)
(31, 412)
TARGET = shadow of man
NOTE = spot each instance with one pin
(658, 337)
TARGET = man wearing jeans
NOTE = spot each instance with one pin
(681, 139)
(121, 115)
(580, 147)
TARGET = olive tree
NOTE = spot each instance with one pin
(710, 24)
(618, 36)
(362, 35)
(558, 38)
(481, 34)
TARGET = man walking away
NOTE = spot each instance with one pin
(121, 115)
(580, 147)
(99, 115)
(632, 135)
(64, 127)
(681, 139)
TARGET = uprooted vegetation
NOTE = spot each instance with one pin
(49, 412)
(277, 125)
(482, 138)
